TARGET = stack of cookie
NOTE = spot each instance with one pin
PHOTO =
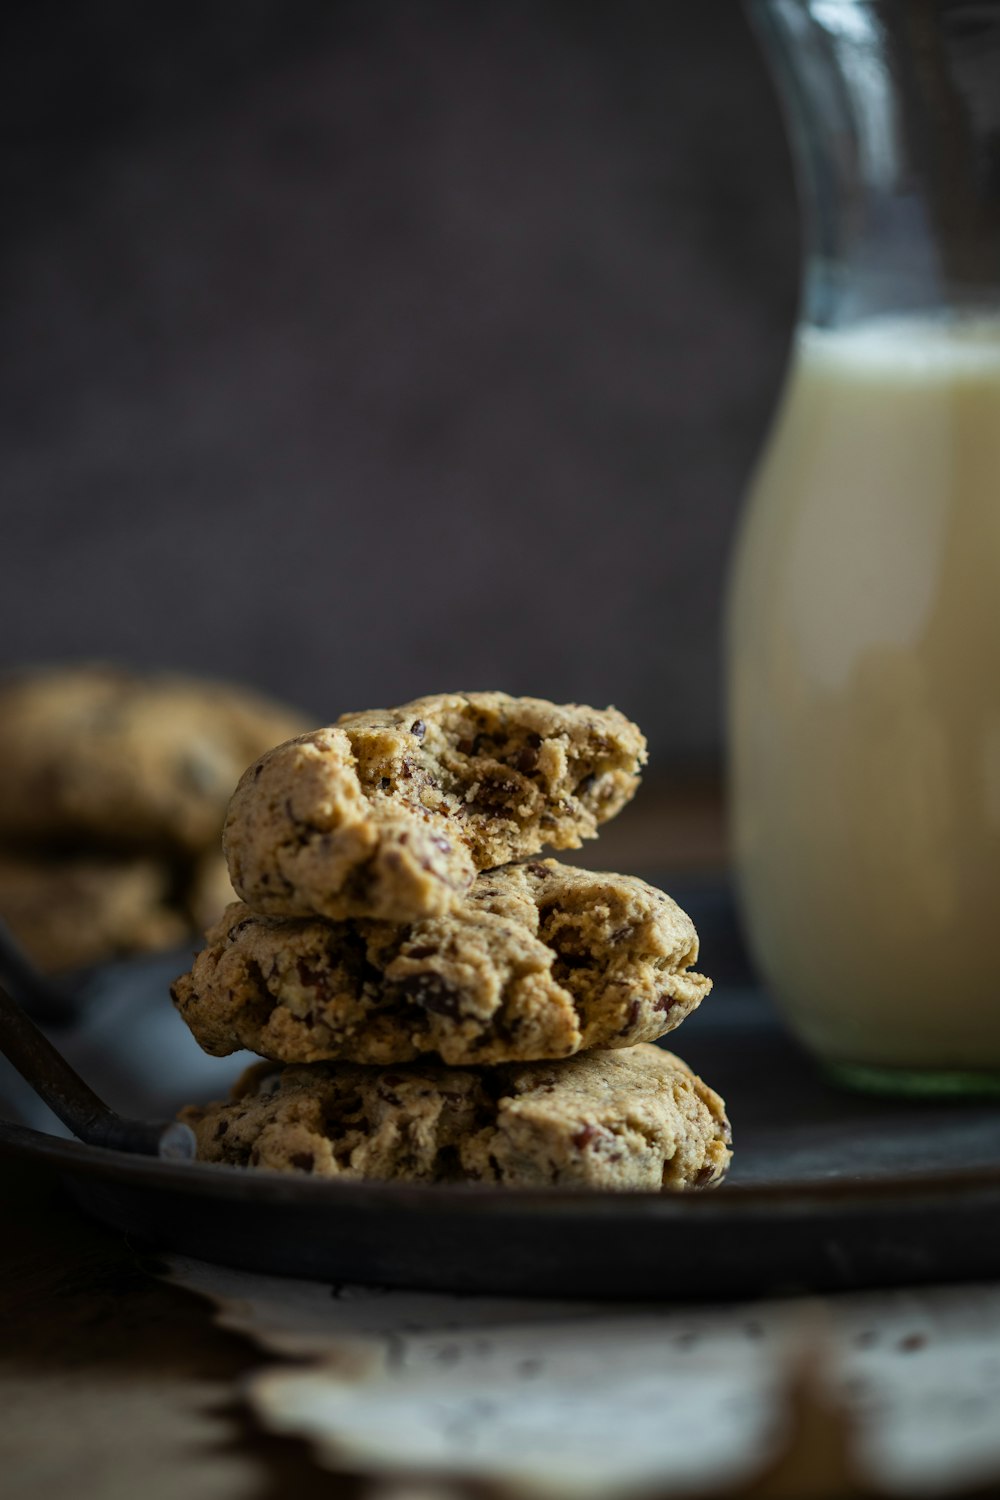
(113, 789)
(437, 1002)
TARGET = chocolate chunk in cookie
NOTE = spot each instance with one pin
(635, 1119)
(540, 961)
(389, 814)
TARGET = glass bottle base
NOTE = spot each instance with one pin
(915, 1083)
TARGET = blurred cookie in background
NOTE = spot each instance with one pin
(126, 760)
(208, 891)
(113, 789)
(74, 912)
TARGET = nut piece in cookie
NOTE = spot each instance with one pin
(630, 1120)
(389, 814)
(540, 961)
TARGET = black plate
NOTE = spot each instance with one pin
(828, 1191)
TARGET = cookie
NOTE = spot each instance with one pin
(540, 961)
(634, 1119)
(105, 757)
(389, 814)
(72, 913)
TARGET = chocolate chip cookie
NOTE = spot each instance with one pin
(121, 760)
(389, 814)
(635, 1119)
(71, 913)
(539, 961)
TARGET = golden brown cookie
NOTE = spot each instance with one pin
(541, 961)
(71, 913)
(128, 761)
(627, 1120)
(389, 814)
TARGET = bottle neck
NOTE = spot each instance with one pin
(893, 112)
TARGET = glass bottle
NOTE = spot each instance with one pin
(864, 614)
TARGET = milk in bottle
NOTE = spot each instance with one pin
(864, 613)
(865, 711)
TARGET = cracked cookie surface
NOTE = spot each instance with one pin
(540, 961)
(113, 759)
(631, 1120)
(390, 814)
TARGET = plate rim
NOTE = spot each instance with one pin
(222, 1181)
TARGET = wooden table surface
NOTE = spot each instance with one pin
(114, 1386)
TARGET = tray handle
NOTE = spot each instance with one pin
(40, 997)
(45, 1069)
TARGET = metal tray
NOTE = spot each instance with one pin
(828, 1190)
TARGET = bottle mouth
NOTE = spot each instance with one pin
(893, 112)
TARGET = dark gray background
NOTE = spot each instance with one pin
(363, 350)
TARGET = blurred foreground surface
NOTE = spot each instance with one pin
(113, 1383)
